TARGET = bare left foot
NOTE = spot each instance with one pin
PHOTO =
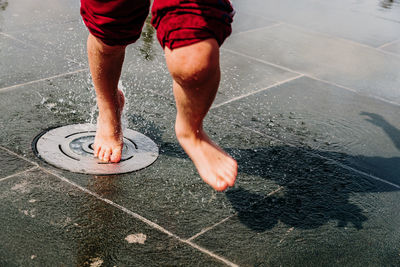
(214, 165)
(108, 142)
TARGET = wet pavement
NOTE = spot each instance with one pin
(309, 106)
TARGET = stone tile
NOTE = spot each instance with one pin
(359, 131)
(244, 21)
(364, 69)
(241, 76)
(170, 191)
(21, 63)
(69, 40)
(393, 47)
(10, 164)
(324, 215)
(45, 221)
(22, 14)
(30, 109)
(336, 18)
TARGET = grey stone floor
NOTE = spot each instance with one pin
(309, 105)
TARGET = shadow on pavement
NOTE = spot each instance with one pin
(313, 190)
(390, 130)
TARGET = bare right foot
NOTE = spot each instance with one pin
(214, 165)
(108, 142)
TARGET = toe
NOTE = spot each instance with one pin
(229, 173)
(229, 179)
(214, 182)
(221, 185)
(101, 154)
(116, 155)
(96, 151)
(107, 154)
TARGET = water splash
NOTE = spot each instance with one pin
(125, 111)
(93, 110)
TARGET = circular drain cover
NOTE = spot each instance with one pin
(71, 148)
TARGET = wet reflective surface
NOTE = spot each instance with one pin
(308, 105)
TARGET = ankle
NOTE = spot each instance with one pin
(185, 131)
(105, 102)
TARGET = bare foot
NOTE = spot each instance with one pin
(109, 137)
(214, 165)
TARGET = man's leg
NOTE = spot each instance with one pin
(105, 64)
(196, 75)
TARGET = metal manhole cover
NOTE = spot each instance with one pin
(70, 148)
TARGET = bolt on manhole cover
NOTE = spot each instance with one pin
(71, 148)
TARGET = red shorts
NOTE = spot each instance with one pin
(178, 22)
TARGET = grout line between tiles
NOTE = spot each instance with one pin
(339, 164)
(314, 78)
(339, 38)
(43, 79)
(387, 44)
(210, 228)
(275, 191)
(329, 36)
(344, 166)
(18, 156)
(18, 173)
(286, 234)
(139, 217)
(16, 39)
(262, 61)
(209, 253)
(257, 29)
(36, 47)
(227, 218)
(257, 91)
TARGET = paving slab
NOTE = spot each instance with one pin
(360, 68)
(244, 21)
(393, 47)
(67, 39)
(356, 130)
(324, 227)
(360, 21)
(75, 228)
(21, 63)
(322, 215)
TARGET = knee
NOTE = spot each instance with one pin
(194, 65)
(98, 46)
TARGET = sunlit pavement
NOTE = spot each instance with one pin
(309, 105)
